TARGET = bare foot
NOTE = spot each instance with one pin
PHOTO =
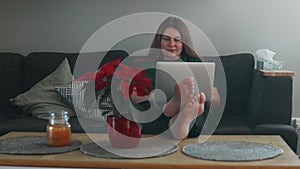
(180, 123)
(199, 101)
(184, 91)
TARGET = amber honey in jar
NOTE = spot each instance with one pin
(59, 129)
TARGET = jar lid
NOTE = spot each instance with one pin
(63, 114)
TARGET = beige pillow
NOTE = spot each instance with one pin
(43, 96)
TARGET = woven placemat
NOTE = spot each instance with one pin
(103, 149)
(34, 145)
(232, 151)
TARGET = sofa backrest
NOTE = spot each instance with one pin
(11, 75)
(40, 64)
(239, 71)
(16, 70)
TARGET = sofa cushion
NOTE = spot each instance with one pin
(43, 96)
(10, 112)
(239, 70)
(287, 132)
(233, 124)
(31, 124)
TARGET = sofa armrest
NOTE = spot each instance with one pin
(270, 101)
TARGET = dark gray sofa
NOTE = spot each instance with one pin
(254, 104)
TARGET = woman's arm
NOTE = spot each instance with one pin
(215, 101)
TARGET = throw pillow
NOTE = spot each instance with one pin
(73, 93)
(43, 96)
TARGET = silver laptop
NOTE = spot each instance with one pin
(168, 73)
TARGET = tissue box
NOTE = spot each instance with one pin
(270, 65)
(265, 60)
(277, 65)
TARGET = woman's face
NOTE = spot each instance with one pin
(171, 43)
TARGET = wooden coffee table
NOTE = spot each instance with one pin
(176, 160)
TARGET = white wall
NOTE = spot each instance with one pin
(232, 25)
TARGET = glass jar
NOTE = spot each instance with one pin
(59, 129)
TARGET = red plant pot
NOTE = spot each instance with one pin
(123, 133)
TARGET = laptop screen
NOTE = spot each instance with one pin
(168, 73)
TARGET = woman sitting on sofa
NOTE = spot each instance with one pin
(172, 42)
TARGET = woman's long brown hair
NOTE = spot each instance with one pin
(185, 38)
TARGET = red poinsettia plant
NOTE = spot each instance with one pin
(128, 80)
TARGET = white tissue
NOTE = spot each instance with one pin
(266, 56)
